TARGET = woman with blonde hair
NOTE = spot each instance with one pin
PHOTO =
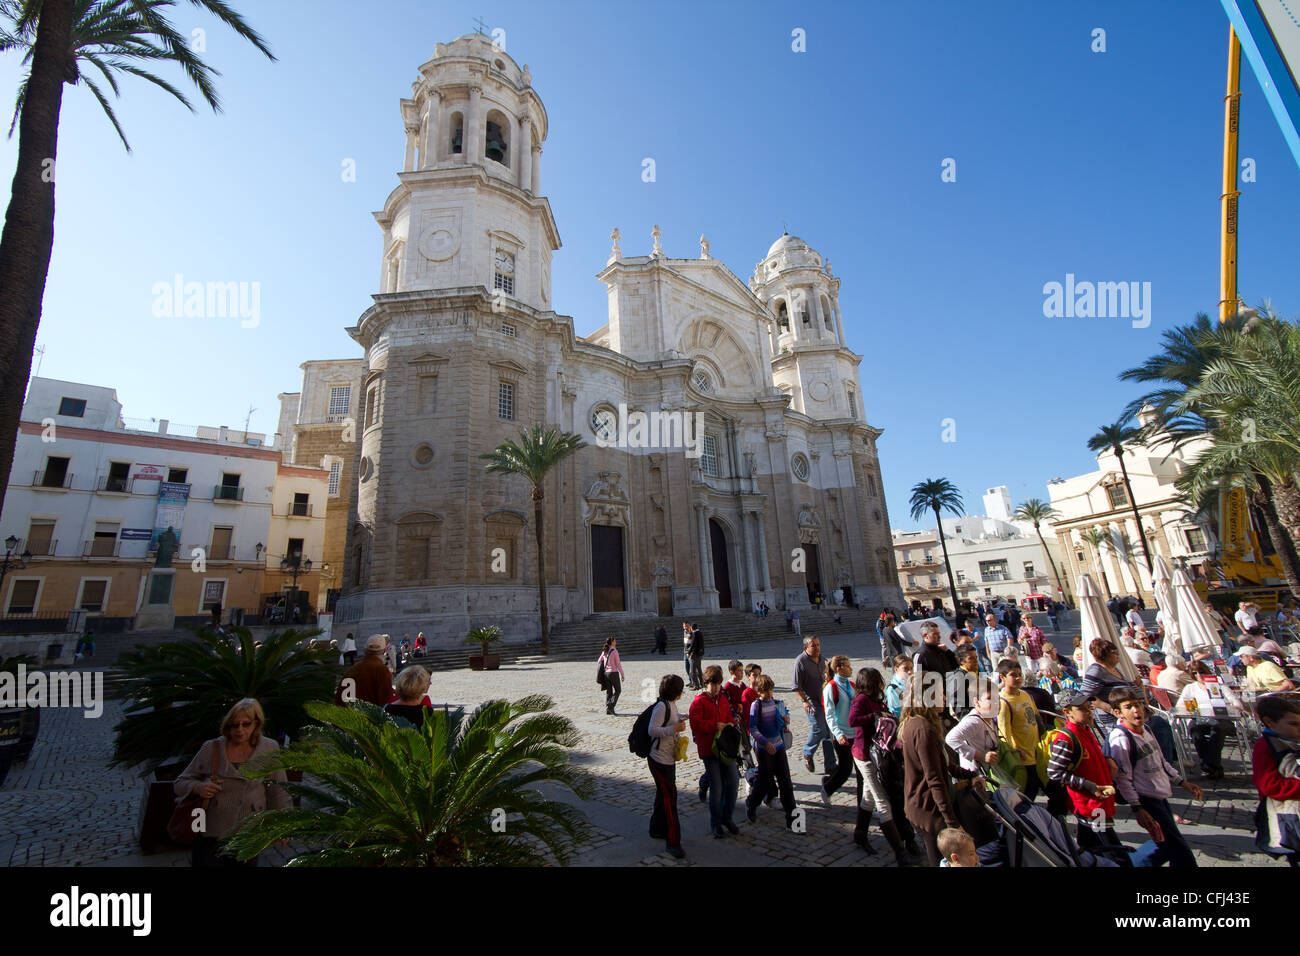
(214, 775)
(412, 686)
(928, 764)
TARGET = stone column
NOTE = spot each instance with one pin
(470, 139)
(747, 551)
(412, 132)
(839, 323)
(764, 574)
(537, 170)
(432, 126)
(816, 312)
(524, 153)
(796, 326)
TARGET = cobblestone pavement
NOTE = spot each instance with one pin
(65, 807)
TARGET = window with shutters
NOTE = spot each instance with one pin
(22, 596)
(340, 399)
(93, 594)
(40, 537)
(220, 548)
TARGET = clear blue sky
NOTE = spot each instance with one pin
(1104, 165)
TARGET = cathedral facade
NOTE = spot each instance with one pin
(729, 459)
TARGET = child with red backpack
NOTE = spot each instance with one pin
(1078, 763)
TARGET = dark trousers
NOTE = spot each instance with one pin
(697, 671)
(664, 823)
(930, 843)
(1207, 736)
(844, 765)
(205, 853)
(613, 688)
(773, 777)
(1174, 850)
(350, 657)
(686, 661)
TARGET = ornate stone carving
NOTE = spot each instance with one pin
(663, 573)
(810, 524)
(605, 501)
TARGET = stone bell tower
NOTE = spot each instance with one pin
(810, 360)
(468, 211)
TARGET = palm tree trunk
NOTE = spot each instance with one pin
(952, 586)
(1142, 538)
(538, 512)
(28, 236)
(1280, 505)
(1050, 560)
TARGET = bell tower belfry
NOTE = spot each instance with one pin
(810, 360)
(468, 211)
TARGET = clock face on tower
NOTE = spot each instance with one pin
(505, 263)
(439, 245)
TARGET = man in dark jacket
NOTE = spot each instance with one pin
(661, 640)
(933, 656)
(369, 679)
(696, 650)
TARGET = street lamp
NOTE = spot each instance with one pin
(11, 543)
(295, 565)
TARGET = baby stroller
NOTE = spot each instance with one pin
(1030, 836)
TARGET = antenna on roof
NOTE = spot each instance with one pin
(251, 409)
(39, 350)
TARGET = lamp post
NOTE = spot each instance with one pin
(295, 565)
(10, 561)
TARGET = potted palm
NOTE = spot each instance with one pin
(483, 636)
(472, 790)
(177, 693)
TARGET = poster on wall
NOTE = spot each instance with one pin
(172, 498)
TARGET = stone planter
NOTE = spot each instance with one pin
(484, 662)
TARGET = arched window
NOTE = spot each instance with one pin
(496, 145)
(457, 126)
(827, 315)
(783, 317)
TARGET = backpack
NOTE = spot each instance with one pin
(1043, 753)
(884, 740)
(726, 743)
(639, 740)
(601, 680)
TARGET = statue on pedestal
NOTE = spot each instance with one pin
(167, 545)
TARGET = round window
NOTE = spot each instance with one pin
(703, 382)
(604, 423)
(422, 455)
(799, 465)
(367, 468)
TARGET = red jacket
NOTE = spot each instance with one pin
(1268, 781)
(747, 698)
(707, 715)
(1092, 766)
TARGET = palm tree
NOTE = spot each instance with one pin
(178, 692)
(539, 450)
(1187, 354)
(62, 40)
(1037, 510)
(454, 792)
(934, 495)
(1113, 437)
(1095, 537)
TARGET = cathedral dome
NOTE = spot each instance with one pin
(786, 241)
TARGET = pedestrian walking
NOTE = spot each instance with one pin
(807, 683)
(795, 621)
(837, 697)
(661, 640)
(710, 717)
(214, 776)
(686, 654)
(928, 764)
(369, 679)
(867, 708)
(613, 673)
(769, 720)
(665, 725)
(697, 656)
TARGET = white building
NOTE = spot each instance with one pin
(87, 498)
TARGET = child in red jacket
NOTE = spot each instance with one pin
(710, 711)
(1274, 769)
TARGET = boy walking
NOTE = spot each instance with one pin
(1078, 763)
(1145, 779)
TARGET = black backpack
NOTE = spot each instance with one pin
(601, 680)
(639, 740)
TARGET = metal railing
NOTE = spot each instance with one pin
(111, 483)
(227, 493)
(101, 548)
(44, 479)
(38, 550)
(299, 509)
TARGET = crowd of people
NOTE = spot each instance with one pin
(932, 739)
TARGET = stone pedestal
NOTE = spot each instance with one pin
(157, 613)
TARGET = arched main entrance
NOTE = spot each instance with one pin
(813, 571)
(721, 567)
(607, 592)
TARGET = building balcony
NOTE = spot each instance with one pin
(52, 481)
(38, 549)
(995, 578)
(296, 509)
(210, 552)
(227, 493)
(101, 548)
(117, 486)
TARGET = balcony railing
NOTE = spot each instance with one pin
(995, 577)
(101, 548)
(299, 509)
(37, 549)
(43, 479)
(111, 483)
(211, 552)
(227, 493)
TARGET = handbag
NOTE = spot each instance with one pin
(180, 827)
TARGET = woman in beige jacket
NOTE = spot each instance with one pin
(230, 796)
